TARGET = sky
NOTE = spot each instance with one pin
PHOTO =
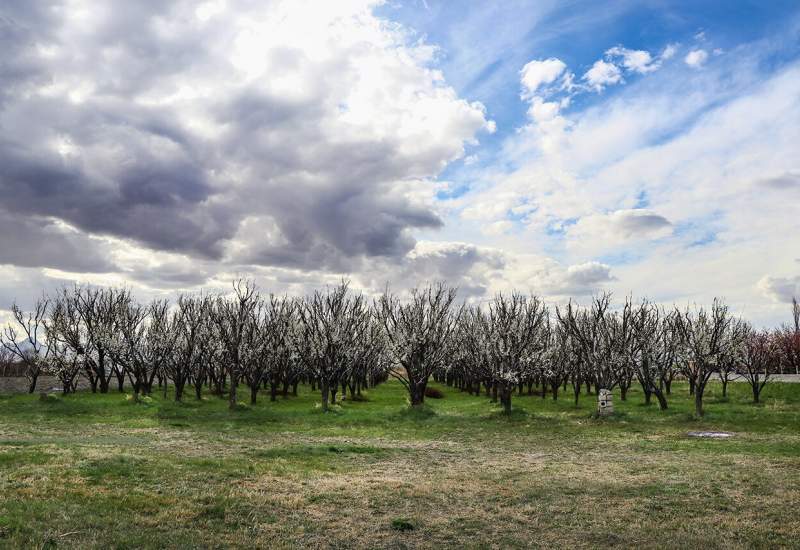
(560, 148)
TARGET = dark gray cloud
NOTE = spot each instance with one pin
(780, 289)
(589, 274)
(140, 121)
(637, 223)
(471, 268)
(29, 242)
(789, 180)
(172, 274)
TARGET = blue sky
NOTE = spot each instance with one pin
(483, 45)
(555, 147)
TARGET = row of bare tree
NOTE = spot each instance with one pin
(337, 338)
(515, 342)
(218, 342)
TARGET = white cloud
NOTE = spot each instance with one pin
(543, 111)
(602, 74)
(696, 58)
(638, 61)
(669, 51)
(538, 73)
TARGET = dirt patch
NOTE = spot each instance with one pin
(711, 435)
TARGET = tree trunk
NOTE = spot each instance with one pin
(32, 378)
(647, 395)
(724, 387)
(506, 399)
(417, 396)
(324, 387)
(662, 401)
(101, 373)
(232, 394)
(253, 393)
(178, 389)
(698, 400)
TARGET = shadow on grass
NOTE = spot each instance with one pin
(417, 413)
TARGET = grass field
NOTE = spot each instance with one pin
(91, 471)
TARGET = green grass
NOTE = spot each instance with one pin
(91, 471)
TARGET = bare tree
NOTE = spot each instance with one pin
(234, 317)
(789, 343)
(209, 351)
(731, 353)
(558, 362)
(760, 359)
(788, 340)
(564, 353)
(655, 350)
(368, 359)
(98, 309)
(66, 359)
(468, 362)
(24, 339)
(418, 333)
(7, 361)
(126, 342)
(704, 335)
(270, 346)
(187, 327)
(332, 322)
(605, 339)
(515, 337)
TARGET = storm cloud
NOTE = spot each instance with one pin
(267, 134)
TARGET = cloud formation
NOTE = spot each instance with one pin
(275, 134)
(602, 74)
(780, 289)
(696, 58)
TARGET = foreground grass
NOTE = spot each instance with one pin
(100, 471)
